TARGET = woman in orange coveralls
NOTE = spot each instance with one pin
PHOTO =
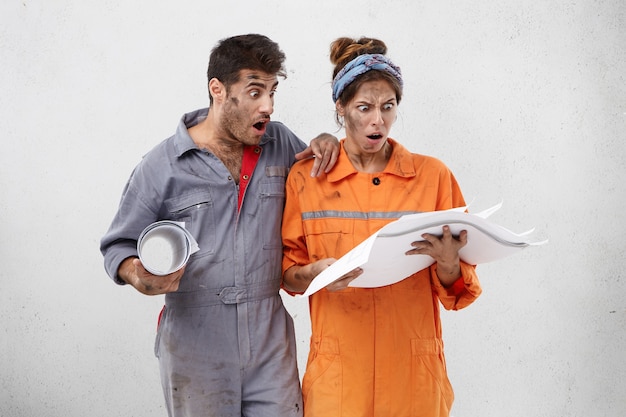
(374, 351)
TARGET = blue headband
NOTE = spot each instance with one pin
(360, 65)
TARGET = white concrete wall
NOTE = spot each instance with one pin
(524, 100)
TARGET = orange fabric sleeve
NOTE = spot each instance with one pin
(462, 293)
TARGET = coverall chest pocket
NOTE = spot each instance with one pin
(271, 204)
(197, 210)
(329, 237)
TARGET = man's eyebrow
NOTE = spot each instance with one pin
(254, 83)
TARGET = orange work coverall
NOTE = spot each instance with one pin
(374, 351)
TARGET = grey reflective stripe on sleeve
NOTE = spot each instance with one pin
(361, 215)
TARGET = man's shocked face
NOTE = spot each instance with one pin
(248, 105)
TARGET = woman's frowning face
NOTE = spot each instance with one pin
(368, 117)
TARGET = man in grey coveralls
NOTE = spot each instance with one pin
(225, 342)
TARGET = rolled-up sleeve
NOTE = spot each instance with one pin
(460, 294)
(120, 241)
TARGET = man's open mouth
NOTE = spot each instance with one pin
(260, 125)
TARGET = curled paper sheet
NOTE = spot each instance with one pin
(383, 255)
(165, 247)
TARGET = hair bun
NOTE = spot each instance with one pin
(344, 50)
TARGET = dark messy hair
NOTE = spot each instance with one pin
(244, 52)
(344, 50)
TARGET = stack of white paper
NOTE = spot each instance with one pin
(383, 255)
